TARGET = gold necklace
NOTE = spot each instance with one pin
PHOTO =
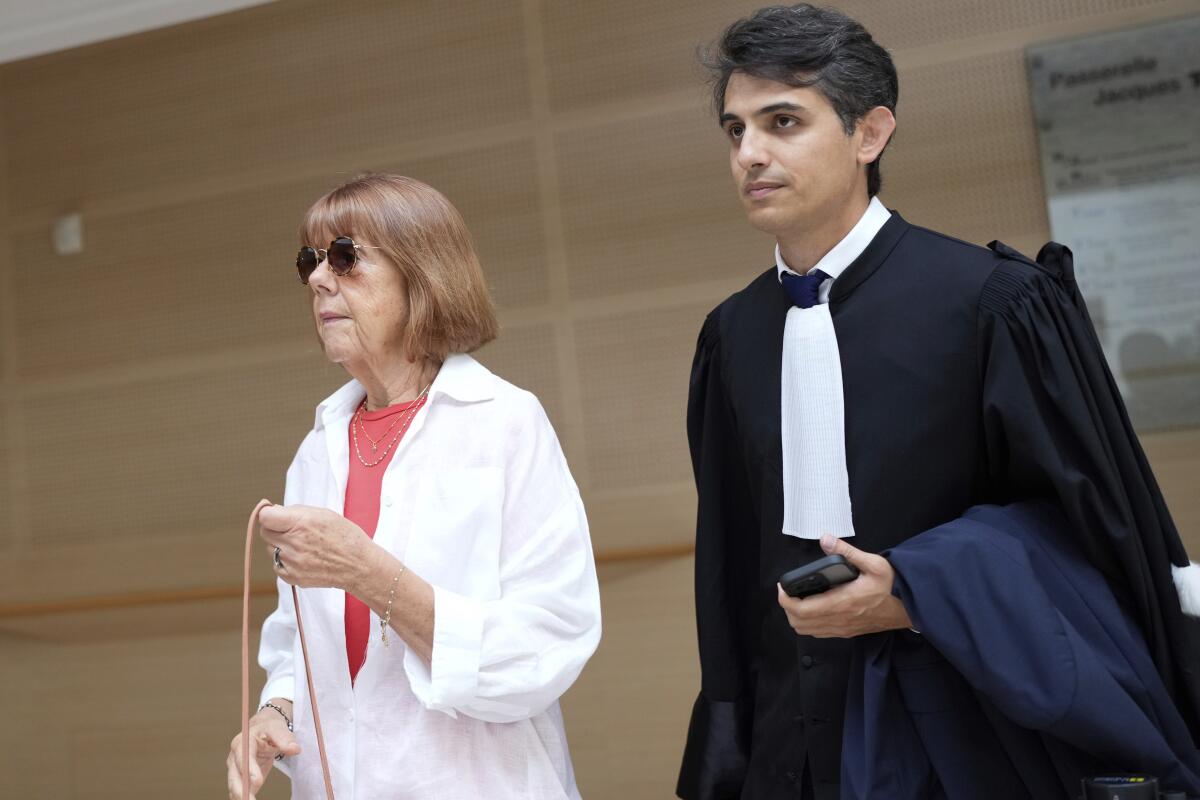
(408, 418)
(358, 417)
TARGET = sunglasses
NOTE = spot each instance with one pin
(342, 256)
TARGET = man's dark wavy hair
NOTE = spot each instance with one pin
(807, 45)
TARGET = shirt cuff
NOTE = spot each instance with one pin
(284, 686)
(452, 679)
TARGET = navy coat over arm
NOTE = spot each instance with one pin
(1036, 677)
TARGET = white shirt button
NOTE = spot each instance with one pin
(387, 500)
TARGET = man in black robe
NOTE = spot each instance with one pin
(875, 383)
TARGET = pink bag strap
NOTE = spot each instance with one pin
(312, 693)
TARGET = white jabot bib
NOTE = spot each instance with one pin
(816, 484)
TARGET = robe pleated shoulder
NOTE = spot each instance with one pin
(1055, 427)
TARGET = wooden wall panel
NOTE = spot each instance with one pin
(147, 484)
(656, 518)
(627, 715)
(635, 395)
(1175, 458)
(167, 458)
(178, 280)
(495, 188)
(104, 759)
(7, 524)
(171, 701)
(217, 274)
(650, 203)
(28, 767)
(974, 175)
(6, 307)
(275, 88)
(111, 719)
(154, 386)
(525, 355)
(142, 624)
(624, 50)
(10, 461)
(902, 26)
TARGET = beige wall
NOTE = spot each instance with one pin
(154, 387)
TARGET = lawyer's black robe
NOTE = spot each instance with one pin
(970, 375)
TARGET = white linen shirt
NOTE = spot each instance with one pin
(478, 501)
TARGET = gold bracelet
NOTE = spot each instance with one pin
(386, 619)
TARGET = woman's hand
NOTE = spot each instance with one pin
(317, 547)
(269, 736)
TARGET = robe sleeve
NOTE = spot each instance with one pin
(718, 744)
(1055, 427)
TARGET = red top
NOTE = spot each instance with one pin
(363, 487)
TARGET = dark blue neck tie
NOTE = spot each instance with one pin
(804, 289)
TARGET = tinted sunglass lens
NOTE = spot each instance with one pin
(342, 255)
(306, 262)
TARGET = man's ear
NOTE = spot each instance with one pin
(875, 131)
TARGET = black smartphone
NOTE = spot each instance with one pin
(818, 576)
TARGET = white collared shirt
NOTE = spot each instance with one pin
(844, 252)
(816, 484)
(479, 502)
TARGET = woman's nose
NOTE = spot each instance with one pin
(322, 278)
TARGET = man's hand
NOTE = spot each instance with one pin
(864, 605)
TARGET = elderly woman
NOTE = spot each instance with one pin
(449, 592)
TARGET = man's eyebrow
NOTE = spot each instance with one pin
(770, 109)
(782, 106)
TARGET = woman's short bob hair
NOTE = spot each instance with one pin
(449, 308)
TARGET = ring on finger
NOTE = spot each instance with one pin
(278, 560)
